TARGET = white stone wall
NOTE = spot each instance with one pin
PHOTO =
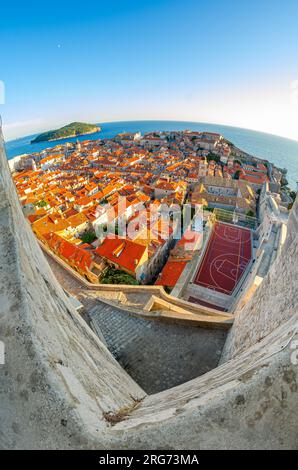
(274, 303)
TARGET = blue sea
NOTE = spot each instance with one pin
(280, 151)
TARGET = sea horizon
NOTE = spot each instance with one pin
(157, 120)
(281, 151)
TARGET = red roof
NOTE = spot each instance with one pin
(122, 252)
(190, 239)
(171, 273)
(80, 257)
(254, 177)
(32, 218)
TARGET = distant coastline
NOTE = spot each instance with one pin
(70, 136)
(281, 151)
(74, 129)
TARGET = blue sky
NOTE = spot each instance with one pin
(216, 61)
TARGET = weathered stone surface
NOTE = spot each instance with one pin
(55, 367)
(272, 304)
(60, 383)
(157, 355)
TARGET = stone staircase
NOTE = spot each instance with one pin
(156, 355)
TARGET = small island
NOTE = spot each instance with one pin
(71, 130)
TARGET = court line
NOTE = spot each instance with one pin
(205, 254)
(220, 232)
(238, 261)
(222, 274)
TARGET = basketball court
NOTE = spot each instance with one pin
(226, 258)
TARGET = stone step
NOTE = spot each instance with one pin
(157, 355)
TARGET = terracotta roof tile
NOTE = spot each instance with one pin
(122, 252)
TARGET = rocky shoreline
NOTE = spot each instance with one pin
(97, 129)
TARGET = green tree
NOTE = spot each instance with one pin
(88, 237)
(116, 276)
(213, 156)
(42, 203)
(250, 213)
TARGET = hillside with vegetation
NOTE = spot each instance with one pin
(71, 130)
